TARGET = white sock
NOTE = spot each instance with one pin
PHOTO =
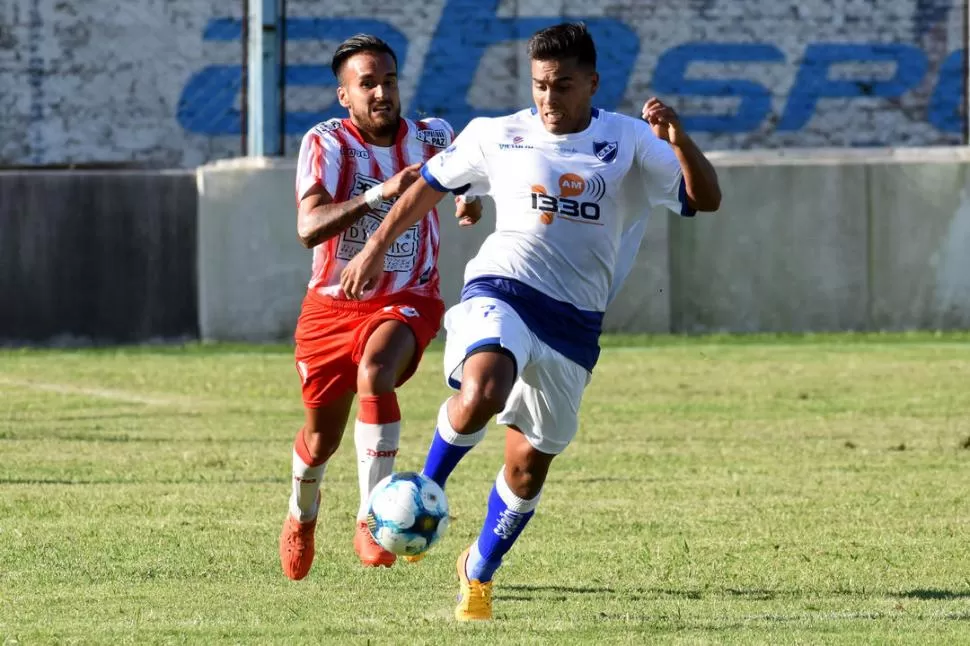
(304, 498)
(377, 446)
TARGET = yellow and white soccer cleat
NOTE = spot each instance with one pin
(474, 597)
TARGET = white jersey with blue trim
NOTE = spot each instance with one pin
(570, 208)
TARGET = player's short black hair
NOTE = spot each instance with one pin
(566, 40)
(355, 45)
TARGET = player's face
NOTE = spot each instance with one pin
(368, 89)
(563, 93)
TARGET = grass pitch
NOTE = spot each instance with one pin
(722, 490)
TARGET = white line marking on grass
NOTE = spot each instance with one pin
(105, 393)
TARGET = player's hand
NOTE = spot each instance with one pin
(399, 183)
(663, 121)
(362, 272)
(468, 213)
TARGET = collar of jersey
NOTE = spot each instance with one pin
(402, 131)
(573, 136)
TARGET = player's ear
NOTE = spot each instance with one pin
(342, 97)
(595, 82)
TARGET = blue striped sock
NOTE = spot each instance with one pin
(447, 448)
(507, 516)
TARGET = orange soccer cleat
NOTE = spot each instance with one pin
(370, 553)
(296, 547)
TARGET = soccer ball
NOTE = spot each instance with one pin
(407, 513)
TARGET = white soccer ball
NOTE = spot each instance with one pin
(407, 513)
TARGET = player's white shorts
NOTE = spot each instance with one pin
(544, 403)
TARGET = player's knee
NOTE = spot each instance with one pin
(321, 443)
(524, 482)
(483, 397)
(375, 378)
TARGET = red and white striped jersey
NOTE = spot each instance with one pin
(334, 154)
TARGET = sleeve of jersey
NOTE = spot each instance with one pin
(316, 165)
(437, 123)
(661, 168)
(461, 165)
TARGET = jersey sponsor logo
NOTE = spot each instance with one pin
(516, 143)
(327, 126)
(364, 182)
(402, 254)
(605, 151)
(570, 185)
(350, 151)
(436, 138)
(565, 150)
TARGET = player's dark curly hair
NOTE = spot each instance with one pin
(355, 45)
(567, 40)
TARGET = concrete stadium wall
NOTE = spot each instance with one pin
(804, 241)
(828, 240)
(252, 271)
(159, 83)
(97, 256)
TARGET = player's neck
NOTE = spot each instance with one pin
(383, 139)
(583, 123)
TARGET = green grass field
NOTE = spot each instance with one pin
(765, 490)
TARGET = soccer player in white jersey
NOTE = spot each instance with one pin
(349, 173)
(572, 186)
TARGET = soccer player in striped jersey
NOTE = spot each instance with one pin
(572, 186)
(350, 172)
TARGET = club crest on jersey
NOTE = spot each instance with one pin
(605, 151)
(436, 138)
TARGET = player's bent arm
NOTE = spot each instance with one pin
(408, 210)
(700, 178)
(319, 218)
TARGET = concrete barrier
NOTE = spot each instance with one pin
(252, 269)
(919, 245)
(97, 256)
(806, 240)
(787, 252)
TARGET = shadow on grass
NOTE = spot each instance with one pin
(521, 592)
(938, 595)
(558, 588)
(106, 481)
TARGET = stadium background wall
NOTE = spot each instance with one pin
(97, 256)
(158, 83)
(806, 240)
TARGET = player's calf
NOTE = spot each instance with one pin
(377, 434)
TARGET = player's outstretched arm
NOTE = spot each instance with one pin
(362, 272)
(319, 218)
(700, 178)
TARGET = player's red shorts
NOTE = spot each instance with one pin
(331, 335)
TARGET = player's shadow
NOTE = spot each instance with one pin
(520, 592)
(937, 595)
